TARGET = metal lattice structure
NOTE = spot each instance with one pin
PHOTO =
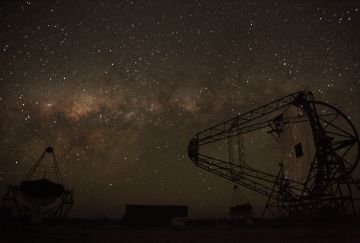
(320, 146)
(41, 196)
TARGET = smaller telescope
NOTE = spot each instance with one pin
(37, 196)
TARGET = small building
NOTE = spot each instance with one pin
(153, 215)
(242, 212)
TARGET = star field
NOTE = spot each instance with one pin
(119, 88)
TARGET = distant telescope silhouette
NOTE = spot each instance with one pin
(41, 193)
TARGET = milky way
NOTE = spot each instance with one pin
(118, 88)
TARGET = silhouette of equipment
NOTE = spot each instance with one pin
(319, 147)
(240, 208)
(37, 194)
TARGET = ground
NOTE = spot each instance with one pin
(110, 232)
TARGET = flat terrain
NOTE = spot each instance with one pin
(325, 232)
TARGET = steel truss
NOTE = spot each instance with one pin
(21, 205)
(329, 185)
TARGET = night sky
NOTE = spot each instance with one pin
(119, 88)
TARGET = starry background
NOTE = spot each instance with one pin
(118, 88)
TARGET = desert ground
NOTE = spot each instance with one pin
(342, 231)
